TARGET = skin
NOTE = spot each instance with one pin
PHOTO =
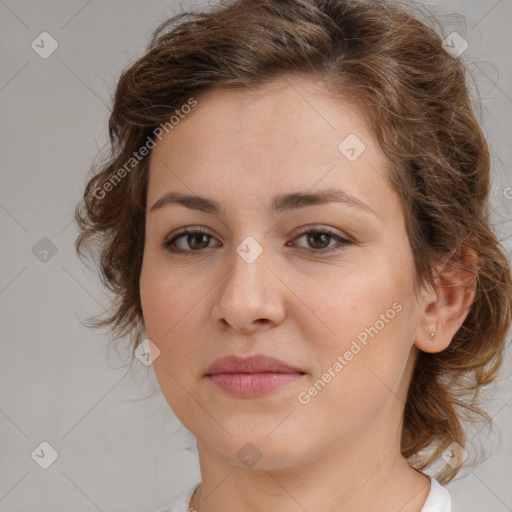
(341, 451)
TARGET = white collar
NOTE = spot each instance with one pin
(438, 499)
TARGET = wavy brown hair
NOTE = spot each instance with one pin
(414, 97)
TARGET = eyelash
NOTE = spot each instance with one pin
(185, 232)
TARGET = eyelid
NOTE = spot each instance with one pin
(187, 229)
(321, 227)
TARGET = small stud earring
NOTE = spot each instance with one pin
(432, 335)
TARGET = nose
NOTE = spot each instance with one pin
(250, 296)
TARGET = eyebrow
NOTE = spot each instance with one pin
(281, 203)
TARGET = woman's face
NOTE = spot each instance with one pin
(256, 283)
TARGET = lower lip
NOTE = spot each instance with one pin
(253, 384)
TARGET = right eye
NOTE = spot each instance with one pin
(195, 240)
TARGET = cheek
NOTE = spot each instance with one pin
(364, 317)
(166, 310)
(166, 294)
(174, 311)
(341, 308)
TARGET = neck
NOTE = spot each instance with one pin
(340, 480)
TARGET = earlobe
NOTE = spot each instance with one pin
(447, 306)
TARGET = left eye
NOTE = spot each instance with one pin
(198, 239)
(319, 240)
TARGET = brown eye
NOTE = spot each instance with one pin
(318, 241)
(194, 240)
(191, 240)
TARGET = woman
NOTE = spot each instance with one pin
(294, 218)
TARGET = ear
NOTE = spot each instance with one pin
(446, 306)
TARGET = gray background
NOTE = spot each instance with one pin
(117, 450)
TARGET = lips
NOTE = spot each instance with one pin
(253, 376)
(251, 364)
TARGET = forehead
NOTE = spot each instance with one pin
(242, 144)
(293, 111)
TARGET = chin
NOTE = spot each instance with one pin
(259, 450)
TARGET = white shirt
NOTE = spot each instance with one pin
(438, 499)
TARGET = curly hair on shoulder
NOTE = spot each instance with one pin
(414, 97)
